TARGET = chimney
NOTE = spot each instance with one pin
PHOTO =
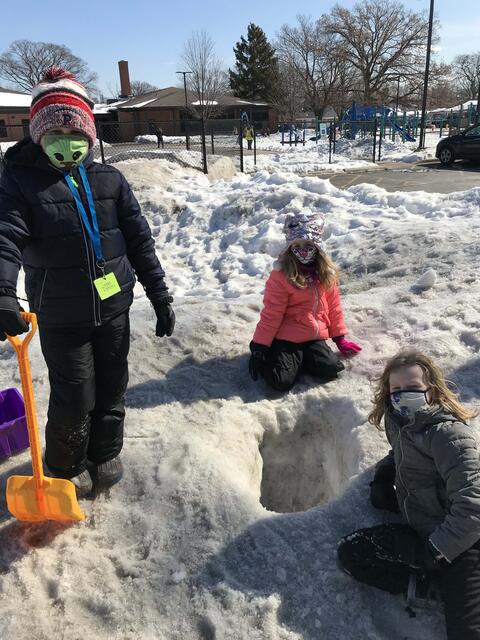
(125, 89)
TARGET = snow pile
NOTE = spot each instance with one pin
(349, 154)
(183, 547)
(6, 145)
(152, 139)
(184, 158)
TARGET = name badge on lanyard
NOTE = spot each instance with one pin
(107, 285)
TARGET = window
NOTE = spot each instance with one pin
(472, 132)
(3, 129)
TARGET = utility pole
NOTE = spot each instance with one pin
(184, 73)
(187, 137)
(396, 106)
(477, 118)
(398, 94)
(425, 82)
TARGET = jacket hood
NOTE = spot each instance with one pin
(28, 154)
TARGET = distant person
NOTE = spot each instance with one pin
(159, 134)
(248, 134)
(432, 478)
(302, 310)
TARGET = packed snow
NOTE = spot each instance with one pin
(234, 496)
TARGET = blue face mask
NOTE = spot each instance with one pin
(408, 403)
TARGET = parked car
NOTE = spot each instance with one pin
(462, 146)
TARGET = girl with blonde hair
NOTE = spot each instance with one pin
(431, 477)
(302, 309)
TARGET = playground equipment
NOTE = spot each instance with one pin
(360, 120)
(292, 133)
(37, 498)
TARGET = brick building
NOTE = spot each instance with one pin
(166, 108)
(14, 115)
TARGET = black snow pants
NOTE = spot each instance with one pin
(88, 372)
(384, 557)
(287, 359)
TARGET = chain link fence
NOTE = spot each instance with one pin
(189, 143)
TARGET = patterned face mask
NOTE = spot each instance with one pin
(407, 403)
(65, 151)
(305, 254)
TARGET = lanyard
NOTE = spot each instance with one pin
(92, 229)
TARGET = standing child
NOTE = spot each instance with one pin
(301, 311)
(77, 230)
(432, 476)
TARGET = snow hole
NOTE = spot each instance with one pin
(306, 466)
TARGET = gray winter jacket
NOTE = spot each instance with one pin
(436, 465)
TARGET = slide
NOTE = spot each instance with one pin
(408, 137)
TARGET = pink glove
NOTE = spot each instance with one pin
(346, 347)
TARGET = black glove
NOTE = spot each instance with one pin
(257, 359)
(165, 316)
(11, 322)
(383, 496)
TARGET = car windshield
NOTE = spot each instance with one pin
(473, 132)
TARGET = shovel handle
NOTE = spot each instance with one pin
(22, 345)
(21, 348)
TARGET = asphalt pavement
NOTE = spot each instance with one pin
(427, 175)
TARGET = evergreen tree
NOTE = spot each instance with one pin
(256, 68)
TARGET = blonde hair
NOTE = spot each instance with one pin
(327, 271)
(433, 377)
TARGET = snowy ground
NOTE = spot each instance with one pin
(350, 154)
(234, 497)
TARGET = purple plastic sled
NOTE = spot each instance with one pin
(13, 423)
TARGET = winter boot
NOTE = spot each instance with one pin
(83, 482)
(108, 473)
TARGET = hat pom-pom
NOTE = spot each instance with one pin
(54, 74)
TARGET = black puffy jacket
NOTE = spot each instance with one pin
(41, 230)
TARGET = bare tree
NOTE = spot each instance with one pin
(24, 63)
(467, 72)
(382, 40)
(139, 87)
(290, 96)
(113, 89)
(316, 58)
(207, 80)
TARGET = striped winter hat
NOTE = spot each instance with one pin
(59, 100)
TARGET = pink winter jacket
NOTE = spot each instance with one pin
(298, 315)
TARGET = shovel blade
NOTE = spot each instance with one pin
(56, 500)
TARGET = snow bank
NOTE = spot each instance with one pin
(349, 154)
(183, 547)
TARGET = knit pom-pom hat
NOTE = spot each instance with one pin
(300, 226)
(59, 100)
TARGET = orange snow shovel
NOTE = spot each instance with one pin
(37, 498)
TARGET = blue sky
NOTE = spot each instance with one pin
(151, 36)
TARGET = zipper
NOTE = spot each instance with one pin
(314, 310)
(41, 291)
(401, 478)
(90, 262)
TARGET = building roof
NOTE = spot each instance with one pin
(106, 107)
(174, 97)
(10, 98)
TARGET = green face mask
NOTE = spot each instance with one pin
(65, 151)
